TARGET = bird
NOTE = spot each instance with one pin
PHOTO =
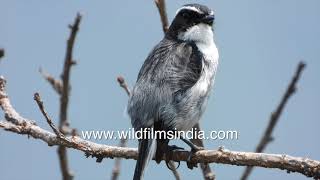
(174, 82)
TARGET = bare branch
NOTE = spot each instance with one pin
(123, 141)
(64, 97)
(161, 5)
(55, 83)
(308, 167)
(267, 136)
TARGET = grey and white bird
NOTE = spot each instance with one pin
(173, 85)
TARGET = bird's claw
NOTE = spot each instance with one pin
(195, 149)
(171, 165)
(169, 153)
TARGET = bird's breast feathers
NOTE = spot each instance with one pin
(203, 37)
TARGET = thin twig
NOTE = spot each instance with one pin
(62, 88)
(161, 5)
(123, 141)
(64, 97)
(207, 173)
(267, 136)
(37, 98)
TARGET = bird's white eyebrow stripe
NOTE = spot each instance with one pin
(189, 8)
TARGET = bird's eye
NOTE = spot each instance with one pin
(186, 15)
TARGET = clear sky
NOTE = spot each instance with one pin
(260, 44)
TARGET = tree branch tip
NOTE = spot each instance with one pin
(120, 79)
(302, 64)
(76, 22)
(37, 97)
(79, 15)
(2, 53)
(123, 84)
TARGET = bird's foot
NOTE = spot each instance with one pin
(194, 149)
(169, 153)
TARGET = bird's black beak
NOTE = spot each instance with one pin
(208, 19)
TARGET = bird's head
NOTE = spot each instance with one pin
(193, 22)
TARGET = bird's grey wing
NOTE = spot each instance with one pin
(170, 69)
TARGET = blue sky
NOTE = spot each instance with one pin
(260, 44)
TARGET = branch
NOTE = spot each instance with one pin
(308, 167)
(123, 141)
(267, 137)
(55, 83)
(64, 97)
(161, 5)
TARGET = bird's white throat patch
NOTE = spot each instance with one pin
(202, 35)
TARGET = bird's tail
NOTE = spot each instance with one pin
(147, 149)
